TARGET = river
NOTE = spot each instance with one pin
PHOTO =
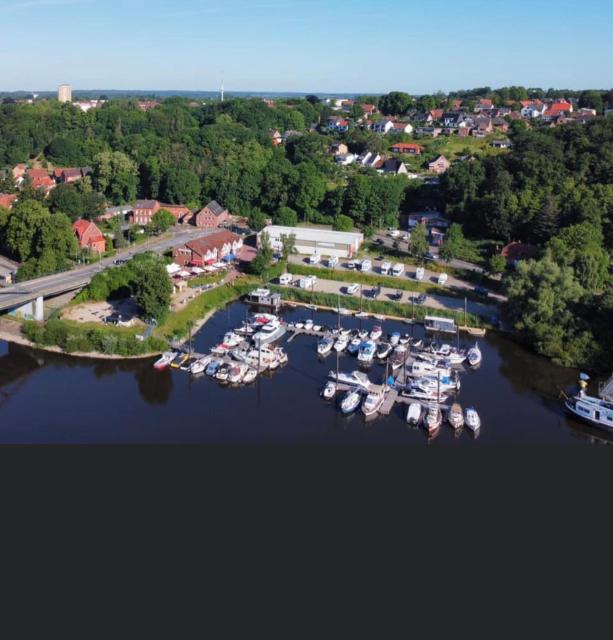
(50, 398)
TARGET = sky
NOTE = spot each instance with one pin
(342, 46)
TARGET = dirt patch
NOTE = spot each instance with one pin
(98, 311)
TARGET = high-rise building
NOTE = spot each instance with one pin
(64, 93)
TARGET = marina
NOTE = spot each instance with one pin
(284, 405)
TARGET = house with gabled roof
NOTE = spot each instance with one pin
(89, 236)
(211, 216)
(439, 165)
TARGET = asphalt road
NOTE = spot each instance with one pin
(21, 293)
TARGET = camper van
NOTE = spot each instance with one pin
(332, 262)
(419, 274)
(366, 265)
(385, 268)
(285, 278)
(314, 259)
(398, 269)
(442, 278)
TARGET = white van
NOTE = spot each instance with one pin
(366, 265)
(332, 262)
(385, 268)
(398, 269)
(285, 278)
(419, 274)
(307, 282)
(442, 278)
(314, 259)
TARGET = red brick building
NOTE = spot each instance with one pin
(408, 147)
(211, 216)
(208, 250)
(179, 211)
(89, 236)
(143, 211)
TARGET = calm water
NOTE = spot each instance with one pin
(48, 398)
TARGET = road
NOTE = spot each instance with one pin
(388, 293)
(21, 293)
(430, 277)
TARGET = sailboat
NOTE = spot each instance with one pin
(473, 421)
(474, 356)
(351, 401)
(433, 418)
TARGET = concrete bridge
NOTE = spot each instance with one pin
(27, 298)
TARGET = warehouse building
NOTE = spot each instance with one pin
(312, 240)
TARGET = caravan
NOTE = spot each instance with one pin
(419, 274)
(398, 269)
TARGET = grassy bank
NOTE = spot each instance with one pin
(211, 278)
(417, 312)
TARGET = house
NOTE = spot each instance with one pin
(113, 212)
(19, 172)
(452, 118)
(179, 211)
(436, 114)
(425, 118)
(89, 236)
(338, 148)
(532, 108)
(431, 132)
(395, 167)
(211, 216)
(345, 159)
(37, 174)
(143, 211)
(340, 125)
(500, 124)
(212, 248)
(147, 105)
(401, 127)
(484, 104)
(456, 104)
(369, 109)
(439, 165)
(430, 219)
(276, 137)
(502, 144)
(408, 147)
(382, 126)
(516, 251)
(369, 159)
(70, 175)
(7, 200)
(483, 127)
(560, 107)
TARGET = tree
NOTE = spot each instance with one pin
(286, 217)
(395, 103)
(25, 225)
(181, 186)
(161, 221)
(116, 175)
(288, 245)
(343, 223)
(261, 263)
(309, 190)
(151, 285)
(68, 200)
(418, 245)
(454, 243)
(496, 264)
(257, 219)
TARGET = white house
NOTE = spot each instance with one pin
(401, 127)
(345, 159)
(382, 126)
(316, 240)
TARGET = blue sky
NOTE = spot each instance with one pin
(305, 45)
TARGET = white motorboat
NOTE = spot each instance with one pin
(250, 376)
(354, 346)
(383, 350)
(455, 417)
(281, 355)
(270, 332)
(355, 379)
(222, 373)
(398, 357)
(212, 367)
(164, 361)
(405, 339)
(274, 363)
(324, 346)
(236, 374)
(474, 356)
(341, 343)
(433, 418)
(329, 391)
(317, 328)
(200, 365)
(432, 383)
(420, 368)
(344, 312)
(473, 421)
(414, 413)
(308, 325)
(372, 403)
(366, 352)
(351, 401)
(299, 325)
(344, 331)
(395, 339)
(412, 391)
(376, 332)
(361, 314)
(231, 339)
(597, 411)
(363, 334)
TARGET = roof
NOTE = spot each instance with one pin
(438, 159)
(81, 226)
(37, 174)
(408, 145)
(316, 234)
(7, 199)
(215, 208)
(145, 204)
(519, 251)
(217, 240)
(71, 172)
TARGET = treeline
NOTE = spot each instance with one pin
(554, 190)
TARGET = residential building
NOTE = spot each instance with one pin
(211, 216)
(382, 126)
(401, 127)
(345, 159)
(340, 125)
(113, 212)
(431, 132)
(408, 147)
(502, 144)
(316, 240)
(147, 105)
(484, 104)
(143, 211)
(207, 250)
(395, 167)
(439, 165)
(8, 271)
(64, 93)
(436, 114)
(69, 175)
(179, 211)
(516, 251)
(338, 148)
(369, 109)
(89, 236)
(430, 219)
(7, 200)
(276, 137)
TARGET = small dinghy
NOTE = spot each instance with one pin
(473, 421)
(414, 413)
(329, 391)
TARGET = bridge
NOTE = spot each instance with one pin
(28, 297)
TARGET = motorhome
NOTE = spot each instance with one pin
(398, 269)
(419, 273)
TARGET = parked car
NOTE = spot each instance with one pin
(431, 256)
(393, 233)
(119, 261)
(314, 259)
(352, 288)
(285, 278)
(420, 299)
(350, 264)
(482, 291)
(366, 265)
(442, 278)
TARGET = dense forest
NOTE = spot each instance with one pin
(554, 190)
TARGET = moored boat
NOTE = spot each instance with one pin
(366, 352)
(355, 378)
(351, 401)
(414, 413)
(474, 356)
(472, 419)
(433, 417)
(376, 332)
(324, 346)
(164, 361)
(455, 417)
(329, 391)
(383, 350)
(354, 346)
(250, 375)
(372, 403)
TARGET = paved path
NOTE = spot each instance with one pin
(21, 293)
(434, 302)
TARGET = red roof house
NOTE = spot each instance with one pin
(408, 147)
(211, 216)
(89, 236)
(7, 200)
(207, 250)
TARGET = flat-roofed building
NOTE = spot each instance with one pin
(314, 240)
(64, 93)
